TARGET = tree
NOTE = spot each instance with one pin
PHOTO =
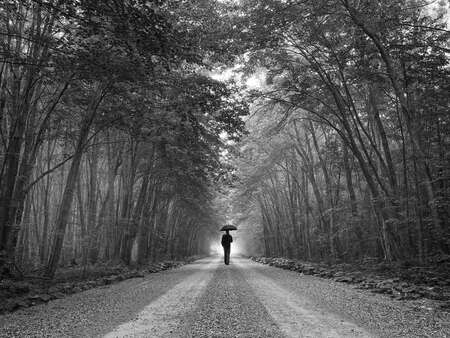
(125, 120)
(343, 79)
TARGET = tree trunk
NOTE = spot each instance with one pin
(67, 198)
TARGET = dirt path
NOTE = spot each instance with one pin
(161, 317)
(209, 299)
(295, 313)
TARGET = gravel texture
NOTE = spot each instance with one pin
(165, 316)
(378, 314)
(95, 312)
(244, 299)
(296, 313)
(230, 308)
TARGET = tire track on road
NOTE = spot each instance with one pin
(296, 316)
(165, 315)
(230, 308)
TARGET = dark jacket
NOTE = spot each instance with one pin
(227, 240)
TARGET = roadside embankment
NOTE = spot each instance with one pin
(25, 292)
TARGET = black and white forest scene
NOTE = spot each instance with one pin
(225, 168)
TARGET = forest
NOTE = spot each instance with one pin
(348, 156)
(329, 141)
(110, 130)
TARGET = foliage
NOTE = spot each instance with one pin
(349, 133)
(110, 128)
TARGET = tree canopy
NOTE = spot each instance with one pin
(118, 143)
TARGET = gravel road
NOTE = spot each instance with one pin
(243, 299)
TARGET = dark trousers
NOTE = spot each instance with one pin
(226, 254)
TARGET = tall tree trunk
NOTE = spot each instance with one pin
(94, 246)
(72, 176)
(10, 177)
(92, 200)
(131, 232)
(407, 111)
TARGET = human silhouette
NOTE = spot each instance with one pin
(226, 243)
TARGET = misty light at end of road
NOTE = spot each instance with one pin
(216, 249)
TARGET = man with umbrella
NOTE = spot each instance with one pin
(226, 242)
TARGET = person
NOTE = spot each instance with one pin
(226, 243)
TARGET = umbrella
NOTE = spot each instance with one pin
(228, 227)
